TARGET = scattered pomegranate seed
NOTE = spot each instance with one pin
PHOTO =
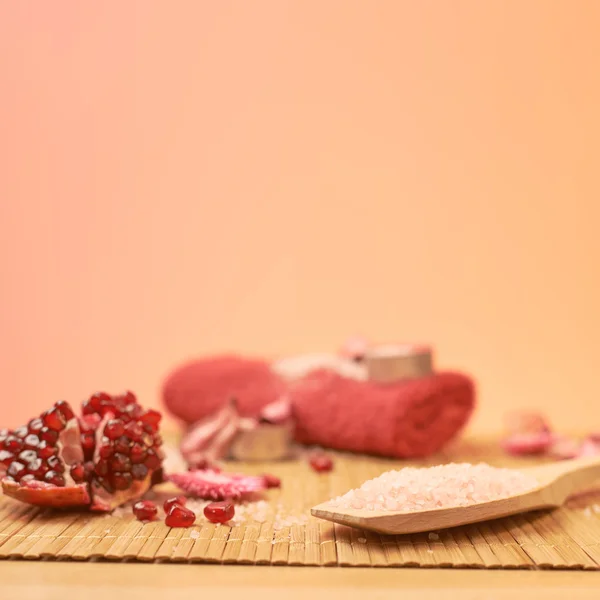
(180, 516)
(219, 512)
(271, 481)
(180, 500)
(321, 463)
(145, 510)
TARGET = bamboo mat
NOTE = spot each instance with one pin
(285, 534)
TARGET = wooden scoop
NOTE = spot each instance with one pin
(557, 481)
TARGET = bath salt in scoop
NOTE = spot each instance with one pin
(413, 500)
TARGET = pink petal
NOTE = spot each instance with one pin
(564, 448)
(526, 422)
(525, 444)
(211, 485)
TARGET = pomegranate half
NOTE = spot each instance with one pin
(106, 457)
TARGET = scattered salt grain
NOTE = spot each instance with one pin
(433, 537)
(194, 534)
(596, 508)
(362, 540)
(587, 512)
(412, 489)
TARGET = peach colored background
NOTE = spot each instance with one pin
(180, 178)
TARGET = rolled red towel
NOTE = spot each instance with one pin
(201, 387)
(411, 418)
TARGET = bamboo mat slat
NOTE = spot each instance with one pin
(286, 534)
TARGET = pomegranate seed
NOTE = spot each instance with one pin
(13, 444)
(152, 460)
(37, 468)
(87, 408)
(35, 426)
(87, 441)
(6, 457)
(134, 431)
(88, 468)
(151, 417)
(122, 481)
(219, 512)
(53, 419)
(65, 410)
(106, 484)
(123, 445)
(45, 450)
(78, 473)
(120, 462)
(145, 510)
(158, 441)
(137, 454)
(133, 411)
(26, 478)
(21, 432)
(106, 450)
(54, 478)
(101, 468)
(48, 435)
(139, 472)
(16, 470)
(31, 441)
(55, 464)
(321, 463)
(114, 429)
(129, 398)
(27, 456)
(180, 516)
(99, 400)
(179, 500)
(271, 481)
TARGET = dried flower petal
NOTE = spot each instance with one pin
(211, 485)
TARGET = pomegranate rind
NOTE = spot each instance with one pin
(39, 493)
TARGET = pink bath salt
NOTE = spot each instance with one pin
(525, 444)
(444, 486)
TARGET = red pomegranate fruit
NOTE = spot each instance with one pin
(106, 457)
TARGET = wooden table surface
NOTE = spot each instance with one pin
(60, 580)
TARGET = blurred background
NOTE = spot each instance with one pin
(183, 178)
